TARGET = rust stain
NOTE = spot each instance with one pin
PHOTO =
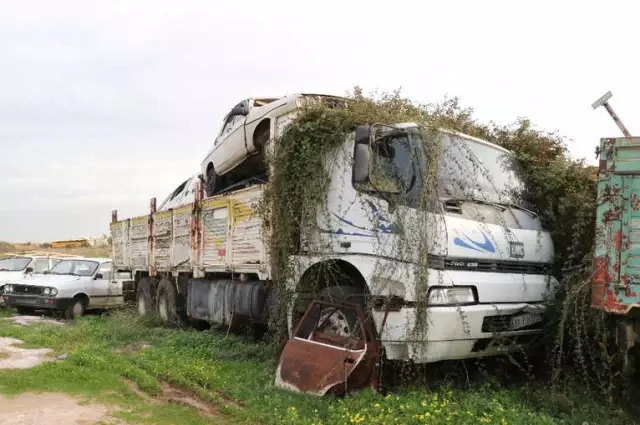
(618, 240)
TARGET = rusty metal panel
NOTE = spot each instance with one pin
(215, 231)
(247, 247)
(139, 234)
(162, 237)
(120, 244)
(616, 277)
(181, 247)
(320, 361)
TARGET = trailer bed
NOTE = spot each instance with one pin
(218, 234)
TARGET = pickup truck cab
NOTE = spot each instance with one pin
(73, 286)
(23, 266)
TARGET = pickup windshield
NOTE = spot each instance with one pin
(75, 267)
(14, 264)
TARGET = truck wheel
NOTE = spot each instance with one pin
(25, 310)
(167, 302)
(210, 185)
(76, 308)
(145, 297)
(341, 322)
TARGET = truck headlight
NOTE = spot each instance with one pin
(452, 295)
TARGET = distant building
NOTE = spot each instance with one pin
(98, 242)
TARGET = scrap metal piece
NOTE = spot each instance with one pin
(604, 101)
(321, 361)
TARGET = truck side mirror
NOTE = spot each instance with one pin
(361, 155)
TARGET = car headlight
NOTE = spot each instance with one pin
(8, 289)
(454, 295)
(50, 291)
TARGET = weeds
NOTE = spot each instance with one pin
(236, 375)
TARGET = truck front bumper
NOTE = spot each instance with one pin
(455, 333)
(37, 302)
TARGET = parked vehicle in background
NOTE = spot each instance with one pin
(185, 193)
(73, 286)
(616, 265)
(238, 150)
(23, 266)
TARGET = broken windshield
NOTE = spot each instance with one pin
(471, 169)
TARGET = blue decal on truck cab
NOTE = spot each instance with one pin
(467, 242)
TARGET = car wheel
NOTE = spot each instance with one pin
(145, 297)
(167, 305)
(76, 308)
(211, 181)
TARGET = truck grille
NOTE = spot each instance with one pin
(520, 267)
(27, 289)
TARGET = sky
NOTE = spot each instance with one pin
(105, 104)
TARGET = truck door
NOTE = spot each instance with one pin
(616, 278)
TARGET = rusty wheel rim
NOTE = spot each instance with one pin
(334, 321)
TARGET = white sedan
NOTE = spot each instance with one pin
(245, 131)
(73, 286)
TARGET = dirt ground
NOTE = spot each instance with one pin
(36, 409)
(50, 409)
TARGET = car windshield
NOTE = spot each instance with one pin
(472, 169)
(41, 265)
(14, 264)
(75, 267)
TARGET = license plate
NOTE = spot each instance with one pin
(524, 320)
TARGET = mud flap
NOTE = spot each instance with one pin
(318, 362)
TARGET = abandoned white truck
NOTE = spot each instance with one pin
(488, 270)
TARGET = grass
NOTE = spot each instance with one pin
(236, 377)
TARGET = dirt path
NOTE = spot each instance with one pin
(50, 409)
(37, 409)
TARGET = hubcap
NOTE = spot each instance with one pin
(142, 307)
(335, 322)
(77, 309)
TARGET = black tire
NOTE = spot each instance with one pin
(261, 137)
(25, 310)
(211, 178)
(145, 297)
(77, 308)
(167, 303)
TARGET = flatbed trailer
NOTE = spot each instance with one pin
(181, 260)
